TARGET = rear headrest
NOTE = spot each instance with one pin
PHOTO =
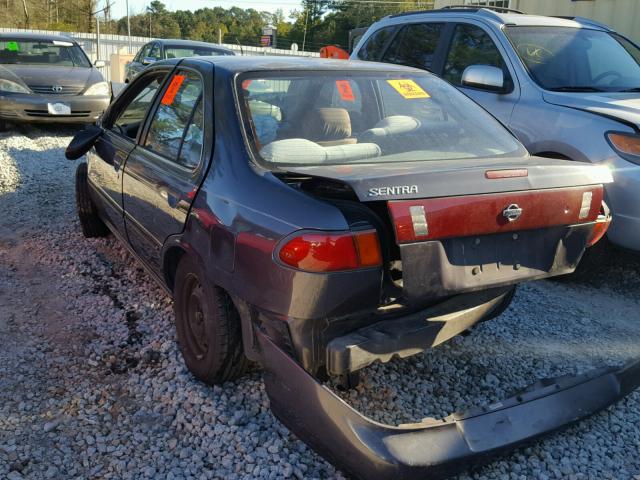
(328, 126)
(393, 125)
(301, 151)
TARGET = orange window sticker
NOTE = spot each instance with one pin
(344, 89)
(246, 84)
(408, 88)
(172, 90)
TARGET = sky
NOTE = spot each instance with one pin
(137, 6)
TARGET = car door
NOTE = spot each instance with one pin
(471, 44)
(165, 169)
(121, 129)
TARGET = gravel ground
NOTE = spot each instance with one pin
(92, 385)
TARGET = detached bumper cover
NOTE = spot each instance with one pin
(367, 449)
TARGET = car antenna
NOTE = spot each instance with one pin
(241, 52)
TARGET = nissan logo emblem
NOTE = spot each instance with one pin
(56, 88)
(512, 212)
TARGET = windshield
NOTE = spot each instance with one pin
(316, 118)
(577, 59)
(42, 52)
(181, 52)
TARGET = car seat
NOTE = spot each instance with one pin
(328, 127)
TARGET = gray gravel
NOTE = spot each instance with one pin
(92, 385)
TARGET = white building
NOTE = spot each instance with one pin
(622, 15)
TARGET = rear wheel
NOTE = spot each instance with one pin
(90, 222)
(208, 326)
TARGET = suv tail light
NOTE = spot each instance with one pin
(602, 225)
(331, 252)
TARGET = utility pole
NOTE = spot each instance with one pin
(98, 28)
(304, 35)
(97, 37)
(128, 26)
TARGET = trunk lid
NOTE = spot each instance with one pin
(432, 179)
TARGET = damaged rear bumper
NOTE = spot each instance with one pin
(368, 449)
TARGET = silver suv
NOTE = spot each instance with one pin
(567, 87)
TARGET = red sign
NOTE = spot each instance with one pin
(172, 89)
(344, 89)
(265, 40)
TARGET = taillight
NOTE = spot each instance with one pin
(601, 226)
(331, 252)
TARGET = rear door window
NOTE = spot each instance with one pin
(179, 112)
(415, 45)
(470, 45)
(376, 43)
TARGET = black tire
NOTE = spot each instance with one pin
(502, 306)
(208, 326)
(91, 224)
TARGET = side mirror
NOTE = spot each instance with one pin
(82, 142)
(99, 63)
(483, 76)
(147, 60)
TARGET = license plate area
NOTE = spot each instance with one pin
(59, 108)
(437, 269)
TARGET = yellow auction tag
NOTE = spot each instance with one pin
(408, 88)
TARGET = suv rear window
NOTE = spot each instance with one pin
(374, 48)
(415, 45)
(316, 118)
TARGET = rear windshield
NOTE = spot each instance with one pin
(181, 52)
(316, 118)
(42, 52)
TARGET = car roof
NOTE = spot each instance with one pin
(189, 43)
(239, 64)
(503, 18)
(36, 36)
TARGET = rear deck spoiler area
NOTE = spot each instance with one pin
(433, 448)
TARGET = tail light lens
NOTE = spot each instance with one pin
(331, 252)
(601, 226)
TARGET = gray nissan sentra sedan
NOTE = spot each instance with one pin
(317, 216)
(49, 78)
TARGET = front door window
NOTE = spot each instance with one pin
(471, 45)
(131, 116)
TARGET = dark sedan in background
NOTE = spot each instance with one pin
(167, 49)
(49, 78)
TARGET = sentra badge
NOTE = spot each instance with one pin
(397, 190)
